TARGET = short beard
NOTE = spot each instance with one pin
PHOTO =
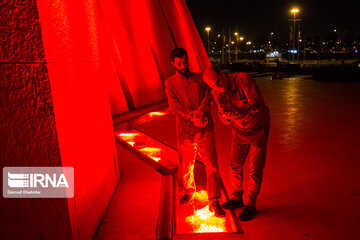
(183, 73)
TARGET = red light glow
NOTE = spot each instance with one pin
(132, 143)
(151, 114)
(128, 136)
(203, 220)
(209, 228)
(152, 152)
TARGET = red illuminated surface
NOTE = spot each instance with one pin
(88, 59)
(76, 53)
(203, 220)
(150, 148)
(152, 114)
(195, 218)
(141, 142)
(192, 218)
(152, 152)
(142, 119)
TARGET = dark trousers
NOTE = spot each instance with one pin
(251, 146)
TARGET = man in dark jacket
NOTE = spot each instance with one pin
(190, 99)
(240, 102)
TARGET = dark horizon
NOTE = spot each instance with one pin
(254, 19)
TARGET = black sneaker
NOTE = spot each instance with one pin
(233, 203)
(215, 207)
(248, 213)
(185, 199)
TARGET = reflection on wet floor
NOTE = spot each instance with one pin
(294, 109)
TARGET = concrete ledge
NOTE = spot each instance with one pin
(165, 223)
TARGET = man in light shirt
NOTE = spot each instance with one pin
(189, 99)
(240, 103)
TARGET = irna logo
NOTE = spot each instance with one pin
(19, 180)
(38, 182)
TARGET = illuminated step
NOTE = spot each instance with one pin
(159, 156)
(176, 221)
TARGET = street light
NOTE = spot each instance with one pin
(207, 29)
(294, 11)
(236, 35)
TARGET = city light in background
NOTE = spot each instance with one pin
(293, 31)
(299, 45)
(208, 29)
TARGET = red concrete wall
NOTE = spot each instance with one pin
(78, 66)
(27, 124)
(66, 68)
(141, 35)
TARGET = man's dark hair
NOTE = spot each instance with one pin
(178, 52)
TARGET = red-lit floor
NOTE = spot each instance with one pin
(311, 187)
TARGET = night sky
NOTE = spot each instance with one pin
(255, 18)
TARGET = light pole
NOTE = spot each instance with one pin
(248, 46)
(229, 46)
(236, 43)
(223, 47)
(298, 42)
(207, 29)
(294, 11)
(241, 39)
(304, 49)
